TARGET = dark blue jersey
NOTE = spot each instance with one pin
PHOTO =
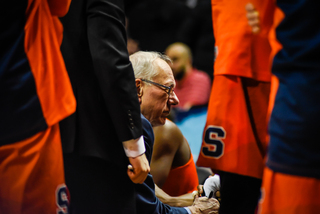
(294, 134)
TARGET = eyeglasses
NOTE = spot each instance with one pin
(167, 89)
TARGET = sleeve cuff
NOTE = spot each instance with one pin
(189, 212)
(135, 147)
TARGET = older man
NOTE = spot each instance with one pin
(155, 84)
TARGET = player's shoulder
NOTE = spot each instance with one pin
(168, 132)
(171, 127)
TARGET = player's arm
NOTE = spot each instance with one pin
(166, 144)
(179, 201)
(192, 201)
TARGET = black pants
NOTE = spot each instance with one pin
(98, 187)
(239, 194)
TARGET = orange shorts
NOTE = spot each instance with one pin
(32, 176)
(288, 194)
(235, 134)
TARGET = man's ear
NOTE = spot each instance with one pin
(139, 88)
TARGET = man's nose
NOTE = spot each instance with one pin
(173, 99)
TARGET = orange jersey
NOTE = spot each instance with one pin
(35, 95)
(182, 179)
(32, 176)
(35, 88)
(238, 51)
(289, 194)
(235, 134)
(45, 59)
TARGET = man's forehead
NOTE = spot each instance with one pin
(163, 68)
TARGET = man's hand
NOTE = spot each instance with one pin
(253, 18)
(139, 169)
(204, 205)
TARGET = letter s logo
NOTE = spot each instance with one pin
(62, 199)
(213, 138)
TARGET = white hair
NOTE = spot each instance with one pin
(143, 63)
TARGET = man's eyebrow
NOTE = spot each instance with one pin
(172, 85)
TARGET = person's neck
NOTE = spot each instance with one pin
(188, 70)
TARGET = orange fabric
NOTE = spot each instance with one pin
(275, 44)
(229, 142)
(276, 47)
(288, 194)
(31, 172)
(239, 52)
(273, 91)
(182, 180)
(43, 37)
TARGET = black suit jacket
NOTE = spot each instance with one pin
(147, 202)
(95, 52)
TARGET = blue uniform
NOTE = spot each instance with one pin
(294, 134)
(291, 181)
(147, 202)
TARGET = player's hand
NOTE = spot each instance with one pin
(204, 205)
(253, 18)
(139, 169)
(200, 190)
